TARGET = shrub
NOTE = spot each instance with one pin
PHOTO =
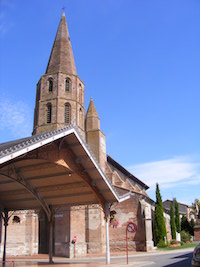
(173, 242)
(185, 236)
(161, 244)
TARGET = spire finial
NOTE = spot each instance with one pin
(63, 11)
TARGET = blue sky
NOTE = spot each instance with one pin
(139, 60)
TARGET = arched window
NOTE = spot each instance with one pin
(80, 93)
(67, 85)
(50, 85)
(49, 113)
(80, 118)
(67, 113)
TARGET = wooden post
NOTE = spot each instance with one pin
(51, 237)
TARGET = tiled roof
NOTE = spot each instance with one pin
(8, 148)
(16, 145)
(182, 207)
(125, 172)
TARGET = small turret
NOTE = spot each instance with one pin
(94, 136)
(92, 118)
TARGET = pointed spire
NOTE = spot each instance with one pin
(61, 58)
(92, 118)
(91, 112)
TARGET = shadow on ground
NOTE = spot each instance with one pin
(31, 264)
(186, 262)
(57, 264)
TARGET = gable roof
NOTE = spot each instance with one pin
(18, 149)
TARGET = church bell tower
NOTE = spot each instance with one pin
(60, 92)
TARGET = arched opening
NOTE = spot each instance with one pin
(80, 93)
(67, 85)
(49, 111)
(80, 118)
(67, 113)
(50, 85)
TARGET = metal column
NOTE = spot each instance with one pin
(107, 213)
(5, 219)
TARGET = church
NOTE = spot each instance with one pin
(43, 177)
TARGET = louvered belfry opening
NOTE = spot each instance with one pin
(67, 113)
(49, 111)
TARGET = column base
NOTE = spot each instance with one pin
(149, 245)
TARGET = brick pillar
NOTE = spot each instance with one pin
(146, 207)
(78, 229)
(197, 231)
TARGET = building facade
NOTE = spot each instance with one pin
(59, 104)
(184, 209)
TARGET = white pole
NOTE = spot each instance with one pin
(107, 243)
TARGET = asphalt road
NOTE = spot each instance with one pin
(161, 259)
(180, 258)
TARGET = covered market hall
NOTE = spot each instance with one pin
(49, 170)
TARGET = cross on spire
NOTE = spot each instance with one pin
(63, 10)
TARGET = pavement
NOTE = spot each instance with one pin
(90, 261)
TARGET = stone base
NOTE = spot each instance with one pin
(80, 250)
(22, 249)
(95, 247)
(149, 246)
(120, 246)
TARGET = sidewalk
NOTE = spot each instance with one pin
(90, 261)
(31, 264)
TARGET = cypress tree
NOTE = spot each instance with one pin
(192, 227)
(172, 222)
(185, 224)
(177, 217)
(159, 221)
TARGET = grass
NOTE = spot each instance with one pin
(190, 245)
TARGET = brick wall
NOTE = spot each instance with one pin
(22, 238)
(197, 231)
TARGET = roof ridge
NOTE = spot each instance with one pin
(31, 140)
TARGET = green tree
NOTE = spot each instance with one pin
(185, 226)
(192, 227)
(159, 221)
(177, 217)
(172, 222)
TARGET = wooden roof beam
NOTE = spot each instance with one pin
(18, 176)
